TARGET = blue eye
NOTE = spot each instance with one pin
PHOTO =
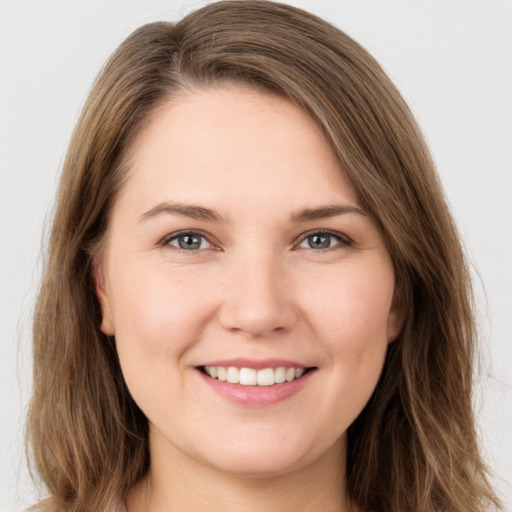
(189, 241)
(322, 240)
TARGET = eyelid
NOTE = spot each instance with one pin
(344, 240)
(164, 242)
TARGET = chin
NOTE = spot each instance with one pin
(267, 458)
(258, 468)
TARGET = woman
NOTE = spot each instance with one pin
(255, 296)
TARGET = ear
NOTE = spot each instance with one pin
(396, 317)
(107, 321)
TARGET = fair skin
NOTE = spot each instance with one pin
(238, 241)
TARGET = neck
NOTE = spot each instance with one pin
(184, 484)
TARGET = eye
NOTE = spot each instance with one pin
(188, 241)
(321, 240)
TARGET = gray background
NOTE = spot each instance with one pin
(452, 59)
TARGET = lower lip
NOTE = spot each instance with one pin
(257, 396)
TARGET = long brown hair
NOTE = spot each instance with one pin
(413, 448)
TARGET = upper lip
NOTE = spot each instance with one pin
(256, 364)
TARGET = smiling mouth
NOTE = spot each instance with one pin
(252, 377)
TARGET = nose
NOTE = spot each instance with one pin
(257, 298)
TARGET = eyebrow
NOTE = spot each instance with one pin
(207, 214)
(185, 210)
(324, 212)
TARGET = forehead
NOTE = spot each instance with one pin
(230, 143)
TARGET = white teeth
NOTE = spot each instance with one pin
(221, 373)
(266, 377)
(280, 375)
(233, 375)
(251, 377)
(248, 377)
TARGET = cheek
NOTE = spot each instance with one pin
(349, 315)
(157, 313)
(158, 316)
(352, 307)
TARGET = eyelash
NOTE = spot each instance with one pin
(342, 240)
(166, 242)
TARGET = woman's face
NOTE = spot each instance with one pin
(238, 247)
